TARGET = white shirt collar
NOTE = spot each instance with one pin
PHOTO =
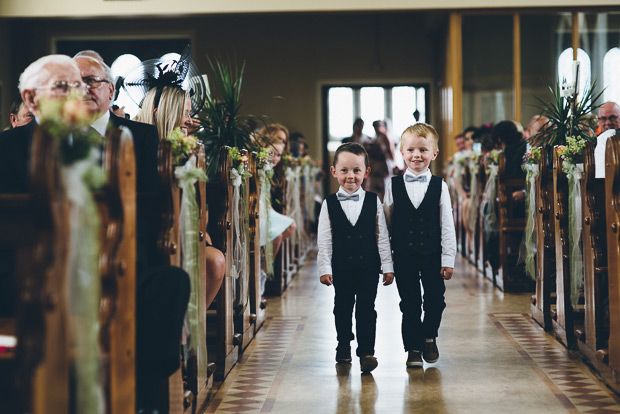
(358, 191)
(100, 125)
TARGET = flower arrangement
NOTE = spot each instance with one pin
(532, 156)
(68, 121)
(573, 150)
(264, 157)
(494, 157)
(182, 145)
(240, 162)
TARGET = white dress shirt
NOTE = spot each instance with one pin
(352, 210)
(101, 124)
(416, 190)
(599, 152)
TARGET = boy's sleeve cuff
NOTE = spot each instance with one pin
(447, 261)
(387, 268)
(326, 270)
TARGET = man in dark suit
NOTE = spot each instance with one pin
(162, 291)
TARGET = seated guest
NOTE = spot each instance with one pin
(168, 106)
(281, 227)
(608, 122)
(19, 114)
(508, 135)
(298, 145)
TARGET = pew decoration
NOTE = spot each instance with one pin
(187, 175)
(531, 167)
(265, 171)
(472, 212)
(239, 173)
(311, 170)
(572, 166)
(67, 121)
(488, 205)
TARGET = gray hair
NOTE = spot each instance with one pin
(89, 53)
(107, 72)
(35, 74)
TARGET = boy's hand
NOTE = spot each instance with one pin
(446, 273)
(388, 278)
(327, 280)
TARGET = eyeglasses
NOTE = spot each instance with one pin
(63, 87)
(93, 82)
(611, 118)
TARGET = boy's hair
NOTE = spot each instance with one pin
(423, 130)
(353, 148)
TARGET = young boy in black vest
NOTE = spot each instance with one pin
(354, 247)
(419, 215)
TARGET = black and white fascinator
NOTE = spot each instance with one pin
(158, 73)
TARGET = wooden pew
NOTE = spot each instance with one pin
(511, 275)
(594, 334)
(544, 298)
(117, 268)
(257, 302)
(222, 341)
(34, 226)
(562, 318)
(610, 357)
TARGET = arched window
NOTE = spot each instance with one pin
(565, 63)
(121, 67)
(611, 75)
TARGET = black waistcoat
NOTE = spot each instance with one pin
(354, 247)
(416, 230)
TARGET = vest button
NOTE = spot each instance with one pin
(410, 244)
(421, 244)
(422, 233)
(410, 231)
(361, 237)
(361, 257)
(350, 257)
(410, 220)
(421, 220)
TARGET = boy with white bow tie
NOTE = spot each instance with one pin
(419, 215)
(353, 248)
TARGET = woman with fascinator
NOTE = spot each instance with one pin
(169, 93)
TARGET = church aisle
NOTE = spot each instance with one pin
(494, 358)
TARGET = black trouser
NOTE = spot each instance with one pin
(409, 271)
(359, 288)
(162, 294)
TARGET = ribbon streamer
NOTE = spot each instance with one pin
(187, 176)
(574, 172)
(84, 284)
(240, 224)
(474, 200)
(532, 171)
(488, 204)
(265, 223)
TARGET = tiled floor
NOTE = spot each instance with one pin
(494, 359)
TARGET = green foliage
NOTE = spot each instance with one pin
(222, 120)
(182, 145)
(564, 121)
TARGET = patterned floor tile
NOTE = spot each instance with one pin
(580, 391)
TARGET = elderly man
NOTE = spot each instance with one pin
(609, 116)
(608, 122)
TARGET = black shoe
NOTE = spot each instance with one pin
(343, 355)
(431, 353)
(368, 363)
(414, 359)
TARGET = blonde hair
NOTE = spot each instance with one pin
(169, 111)
(423, 130)
(269, 133)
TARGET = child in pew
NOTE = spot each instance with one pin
(418, 212)
(353, 248)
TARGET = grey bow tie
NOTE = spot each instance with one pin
(344, 197)
(412, 178)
